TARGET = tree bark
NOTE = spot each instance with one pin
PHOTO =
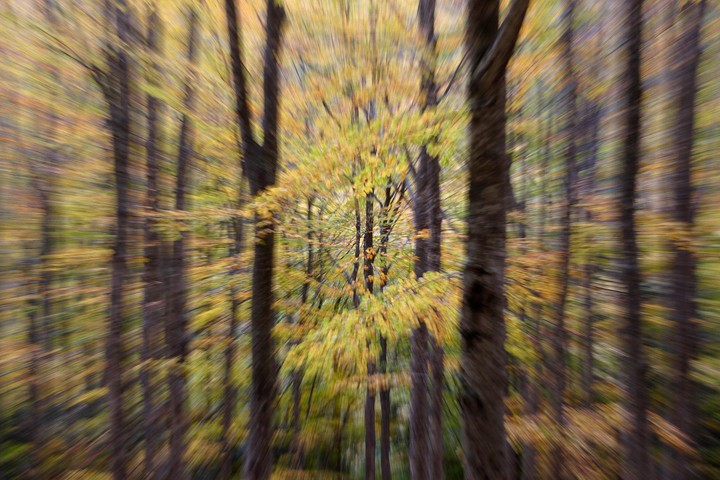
(636, 458)
(482, 328)
(685, 336)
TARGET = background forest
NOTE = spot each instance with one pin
(386, 239)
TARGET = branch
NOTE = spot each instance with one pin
(495, 60)
(454, 76)
(242, 111)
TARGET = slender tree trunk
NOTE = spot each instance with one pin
(297, 375)
(368, 271)
(482, 328)
(176, 327)
(685, 336)
(533, 394)
(384, 269)
(116, 88)
(636, 458)
(48, 172)
(261, 168)
(590, 151)
(246, 146)
(560, 334)
(153, 284)
(227, 439)
(419, 398)
(429, 218)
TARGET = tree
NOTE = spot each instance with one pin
(368, 277)
(560, 333)
(153, 295)
(684, 278)
(176, 330)
(426, 353)
(115, 82)
(482, 328)
(636, 457)
(261, 161)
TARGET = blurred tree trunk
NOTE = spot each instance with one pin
(587, 190)
(48, 170)
(426, 451)
(261, 168)
(176, 327)
(368, 270)
(636, 457)
(560, 334)
(246, 144)
(115, 83)
(419, 398)
(385, 229)
(152, 278)
(246, 147)
(482, 327)
(227, 438)
(685, 335)
(298, 374)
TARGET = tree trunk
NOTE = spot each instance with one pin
(419, 398)
(368, 271)
(116, 88)
(636, 458)
(153, 284)
(590, 151)
(482, 328)
(390, 210)
(560, 334)
(428, 217)
(229, 389)
(685, 335)
(246, 145)
(297, 374)
(176, 327)
(261, 167)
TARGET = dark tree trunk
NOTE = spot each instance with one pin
(368, 271)
(47, 174)
(246, 145)
(419, 398)
(153, 284)
(261, 167)
(391, 207)
(636, 458)
(532, 396)
(176, 323)
(116, 88)
(229, 389)
(385, 466)
(560, 334)
(685, 335)
(482, 328)
(297, 375)
(427, 454)
(590, 151)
